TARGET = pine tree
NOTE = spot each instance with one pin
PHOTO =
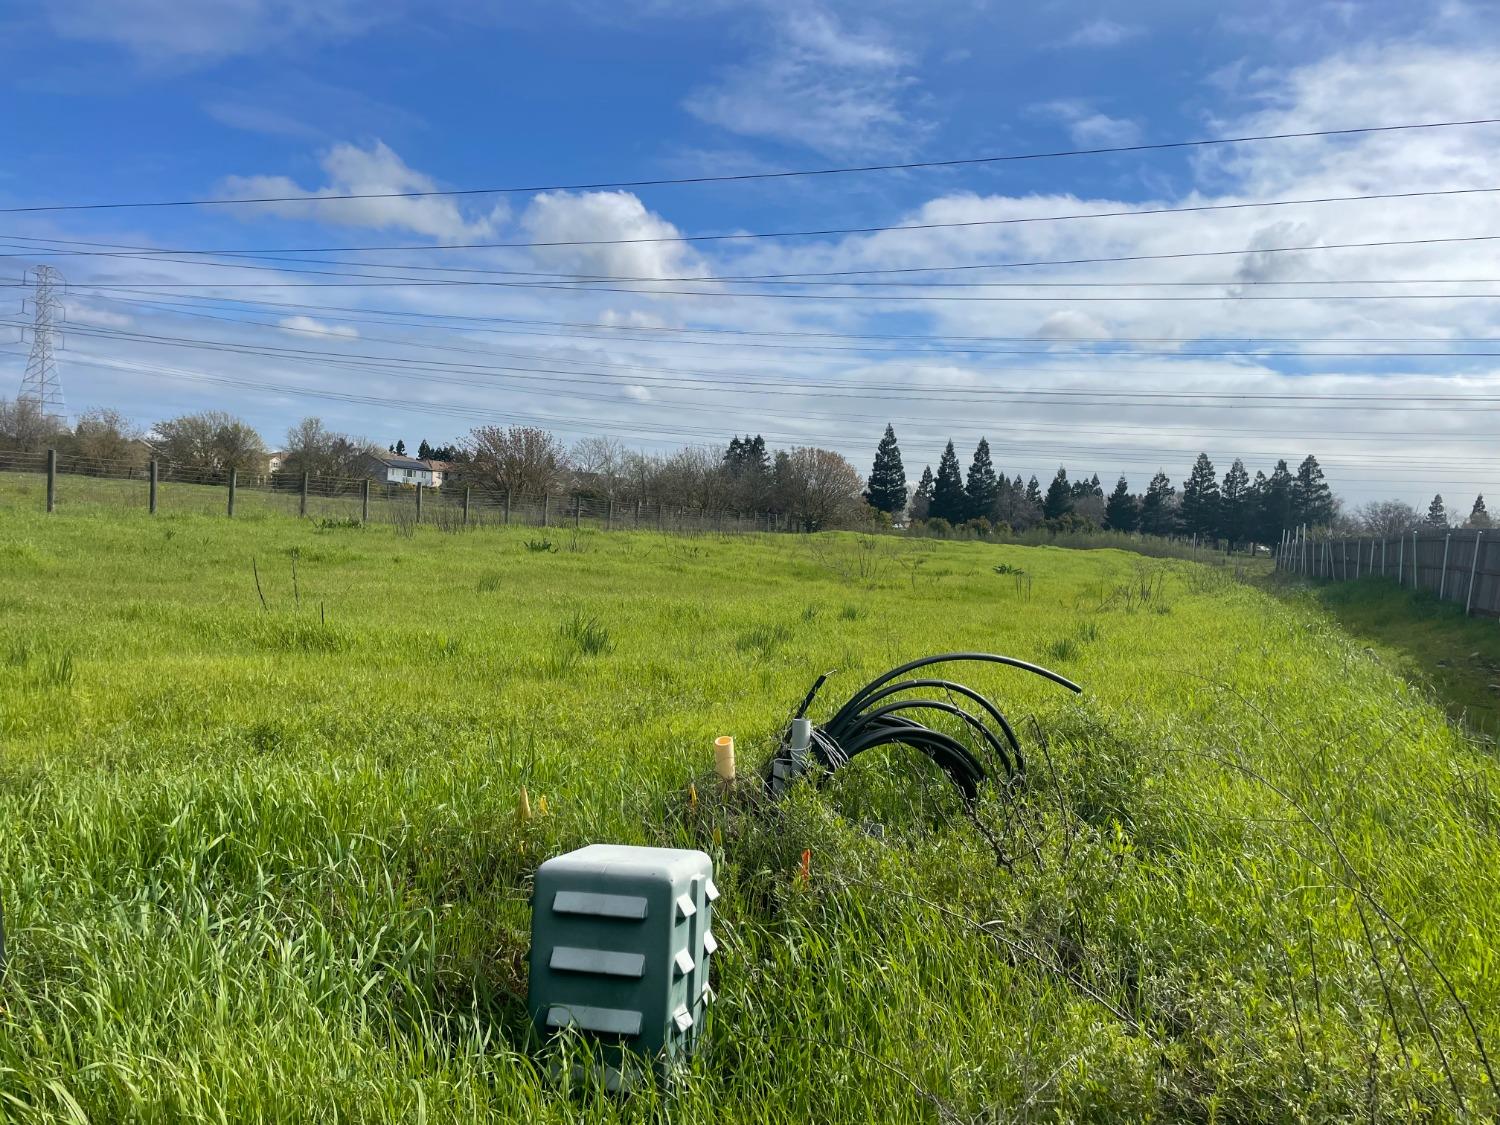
(982, 489)
(1095, 488)
(757, 460)
(1312, 499)
(1158, 512)
(1119, 509)
(886, 488)
(1276, 513)
(1234, 499)
(921, 501)
(424, 451)
(1059, 501)
(1200, 499)
(947, 489)
(1437, 515)
(1479, 516)
(399, 448)
(734, 456)
(1034, 495)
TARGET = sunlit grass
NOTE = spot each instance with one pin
(261, 859)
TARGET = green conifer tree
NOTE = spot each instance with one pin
(1200, 499)
(1120, 508)
(982, 489)
(886, 487)
(948, 498)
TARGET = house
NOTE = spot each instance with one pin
(390, 468)
(274, 460)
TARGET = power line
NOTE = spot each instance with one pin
(154, 253)
(947, 342)
(787, 280)
(555, 358)
(921, 393)
(1050, 396)
(894, 298)
(742, 177)
(751, 235)
(409, 406)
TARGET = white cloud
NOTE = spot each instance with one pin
(306, 324)
(1070, 324)
(259, 119)
(207, 30)
(1102, 32)
(1088, 126)
(377, 170)
(94, 316)
(561, 216)
(656, 393)
(821, 86)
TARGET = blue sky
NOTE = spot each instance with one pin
(138, 100)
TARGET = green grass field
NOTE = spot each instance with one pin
(263, 863)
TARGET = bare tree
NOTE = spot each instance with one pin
(212, 439)
(104, 434)
(692, 477)
(522, 459)
(598, 465)
(638, 473)
(1385, 518)
(26, 427)
(819, 488)
(314, 449)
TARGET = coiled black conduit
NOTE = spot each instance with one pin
(867, 720)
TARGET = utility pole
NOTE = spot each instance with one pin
(42, 384)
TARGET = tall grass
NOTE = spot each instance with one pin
(263, 864)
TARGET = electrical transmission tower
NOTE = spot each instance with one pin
(42, 384)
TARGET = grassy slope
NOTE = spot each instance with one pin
(1430, 641)
(265, 865)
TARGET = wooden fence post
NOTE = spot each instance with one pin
(151, 502)
(1473, 570)
(302, 500)
(1443, 581)
(419, 502)
(1413, 560)
(52, 480)
(609, 515)
(364, 501)
(234, 480)
(466, 506)
(1401, 563)
(577, 508)
(546, 509)
(507, 506)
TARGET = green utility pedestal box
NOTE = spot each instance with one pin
(620, 944)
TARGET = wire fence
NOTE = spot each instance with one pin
(1460, 566)
(56, 480)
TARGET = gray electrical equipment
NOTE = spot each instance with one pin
(620, 945)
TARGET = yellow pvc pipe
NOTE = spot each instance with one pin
(724, 757)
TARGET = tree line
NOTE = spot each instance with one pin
(1236, 509)
(818, 488)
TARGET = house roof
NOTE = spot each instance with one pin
(391, 460)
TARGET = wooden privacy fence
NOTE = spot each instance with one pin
(161, 487)
(1461, 565)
